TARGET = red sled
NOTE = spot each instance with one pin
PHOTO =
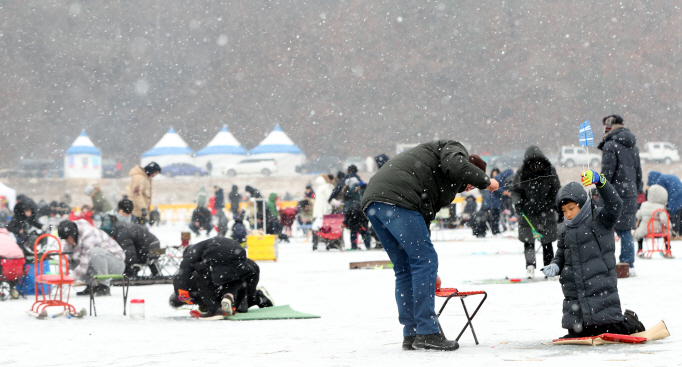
(331, 231)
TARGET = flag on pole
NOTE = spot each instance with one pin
(585, 136)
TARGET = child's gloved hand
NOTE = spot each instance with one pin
(183, 296)
(551, 270)
(590, 177)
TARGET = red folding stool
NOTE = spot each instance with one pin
(653, 235)
(453, 292)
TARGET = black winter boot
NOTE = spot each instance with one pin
(435, 341)
(632, 319)
(407, 342)
(84, 292)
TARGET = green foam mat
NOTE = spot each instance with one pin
(271, 313)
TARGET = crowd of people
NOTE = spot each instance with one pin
(396, 208)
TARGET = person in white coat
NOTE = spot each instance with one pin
(657, 198)
(323, 189)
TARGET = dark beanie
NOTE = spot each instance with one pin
(612, 119)
(67, 228)
(152, 168)
(478, 162)
(126, 205)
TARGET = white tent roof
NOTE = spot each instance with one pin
(170, 144)
(9, 193)
(83, 145)
(276, 142)
(223, 143)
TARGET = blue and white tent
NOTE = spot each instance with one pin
(279, 146)
(170, 149)
(224, 151)
(83, 159)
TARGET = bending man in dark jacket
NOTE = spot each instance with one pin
(533, 193)
(621, 166)
(586, 260)
(216, 275)
(201, 219)
(401, 200)
(137, 242)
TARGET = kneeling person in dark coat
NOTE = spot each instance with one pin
(586, 261)
(201, 219)
(216, 275)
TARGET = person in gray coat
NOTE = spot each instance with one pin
(586, 261)
(533, 192)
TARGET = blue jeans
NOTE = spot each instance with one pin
(627, 247)
(405, 237)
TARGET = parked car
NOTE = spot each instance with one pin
(321, 165)
(111, 168)
(31, 167)
(264, 166)
(183, 169)
(570, 156)
(513, 159)
(659, 152)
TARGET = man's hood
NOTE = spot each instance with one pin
(533, 152)
(653, 178)
(319, 181)
(657, 194)
(573, 191)
(137, 170)
(622, 136)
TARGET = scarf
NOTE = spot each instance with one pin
(584, 214)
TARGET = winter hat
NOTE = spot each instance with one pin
(381, 159)
(352, 169)
(67, 228)
(478, 162)
(152, 168)
(89, 190)
(611, 120)
(126, 205)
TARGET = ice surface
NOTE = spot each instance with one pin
(359, 324)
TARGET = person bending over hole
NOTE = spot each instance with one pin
(216, 275)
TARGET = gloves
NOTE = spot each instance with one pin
(590, 177)
(145, 212)
(518, 208)
(183, 296)
(551, 270)
(641, 198)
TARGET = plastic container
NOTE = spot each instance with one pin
(137, 309)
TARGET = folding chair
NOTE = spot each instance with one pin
(125, 285)
(453, 292)
(665, 235)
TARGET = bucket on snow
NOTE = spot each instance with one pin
(137, 309)
(622, 270)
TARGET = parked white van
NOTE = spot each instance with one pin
(570, 156)
(659, 152)
(264, 166)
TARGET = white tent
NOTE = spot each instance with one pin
(170, 149)
(9, 193)
(83, 159)
(223, 151)
(279, 146)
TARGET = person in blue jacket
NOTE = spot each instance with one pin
(674, 187)
(496, 203)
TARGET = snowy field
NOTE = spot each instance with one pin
(358, 324)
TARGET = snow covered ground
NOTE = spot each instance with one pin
(358, 324)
